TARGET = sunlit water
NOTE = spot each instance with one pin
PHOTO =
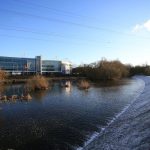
(61, 118)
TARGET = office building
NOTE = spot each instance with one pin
(16, 65)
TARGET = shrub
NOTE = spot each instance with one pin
(139, 70)
(104, 70)
(3, 75)
(83, 84)
(147, 71)
(37, 83)
(27, 97)
(111, 70)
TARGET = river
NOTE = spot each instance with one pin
(62, 118)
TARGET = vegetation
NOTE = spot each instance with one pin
(3, 75)
(140, 70)
(83, 84)
(103, 70)
(27, 97)
(37, 83)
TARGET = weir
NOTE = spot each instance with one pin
(130, 130)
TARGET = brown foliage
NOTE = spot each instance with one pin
(37, 83)
(104, 70)
(111, 70)
(3, 75)
(83, 84)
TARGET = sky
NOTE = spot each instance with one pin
(81, 31)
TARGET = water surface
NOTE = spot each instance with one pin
(61, 118)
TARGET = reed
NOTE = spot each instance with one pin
(27, 97)
(3, 75)
(37, 83)
(83, 84)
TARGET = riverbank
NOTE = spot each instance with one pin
(130, 130)
(24, 80)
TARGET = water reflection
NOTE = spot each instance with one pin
(39, 95)
(2, 89)
(114, 83)
(67, 87)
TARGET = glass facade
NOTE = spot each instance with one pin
(14, 64)
(38, 64)
(51, 66)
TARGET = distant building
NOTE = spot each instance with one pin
(51, 66)
(66, 67)
(16, 65)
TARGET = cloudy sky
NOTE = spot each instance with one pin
(82, 31)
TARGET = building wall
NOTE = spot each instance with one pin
(15, 65)
(51, 66)
(66, 67)
(38, 64)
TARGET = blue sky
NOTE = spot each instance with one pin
(82, 31)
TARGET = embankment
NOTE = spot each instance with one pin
(24, 80)
(131, 130)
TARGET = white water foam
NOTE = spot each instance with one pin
(96, 134)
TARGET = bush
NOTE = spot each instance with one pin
(104, 70)
(111, 70)
(37, 83)
(83, 84)
(3, 75)
(147, 71)
(139, 70)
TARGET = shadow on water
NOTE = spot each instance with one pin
(39, 95)
(111, 83)
(65, 117)
(2, 89)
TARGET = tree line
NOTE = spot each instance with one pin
(110, 70)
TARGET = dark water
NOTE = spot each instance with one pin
(61, 118)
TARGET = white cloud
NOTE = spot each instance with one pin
(143, 26)
(147, 25)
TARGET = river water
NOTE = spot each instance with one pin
(61, 118)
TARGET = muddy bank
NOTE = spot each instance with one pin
(131, 130)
